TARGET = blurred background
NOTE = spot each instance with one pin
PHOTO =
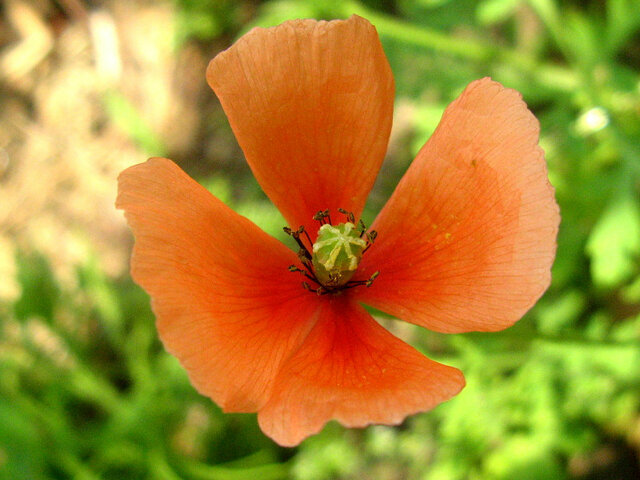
(87, 391)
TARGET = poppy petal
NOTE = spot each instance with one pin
(467, 240)
(225, 304)
(311, 104)
(351, 369)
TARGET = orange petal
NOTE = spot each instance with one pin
(467, 240)
(352, 370)
(225, 304)
(311, 106)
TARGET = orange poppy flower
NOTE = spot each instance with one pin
(465, 242)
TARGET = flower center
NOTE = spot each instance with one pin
(337, 253)
(334, 257)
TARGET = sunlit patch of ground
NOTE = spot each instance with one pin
(86, 93)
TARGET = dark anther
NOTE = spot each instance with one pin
(295, 234)
(308, 274)
(303, 253)
(371, 237)
(320, 216)
(328, 215)
(358, 283)
(362, 227)
(369, 282)
(318, 291)
(323, 216)
(349, 215)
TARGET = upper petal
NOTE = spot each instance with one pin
(467, 240)
(311, 106)
(351, 369)
(225, 304)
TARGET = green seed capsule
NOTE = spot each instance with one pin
(337, 253)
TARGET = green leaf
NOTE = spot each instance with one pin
(38, 285)
(614, 243)
(623, 19)
(21, 453)
(561, 312)
(523, 458)
(491, 12)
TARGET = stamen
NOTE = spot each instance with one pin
(310, 276)
(308, 237)
(296, 236)
(319, 216)
(371, 237)
(362, 227)
(349, 215)
(306, 263)
(328, 215)
(366, 283)
(318, 291)
(323, 217)
(333, 280)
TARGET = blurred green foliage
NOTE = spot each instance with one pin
(87, 391)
